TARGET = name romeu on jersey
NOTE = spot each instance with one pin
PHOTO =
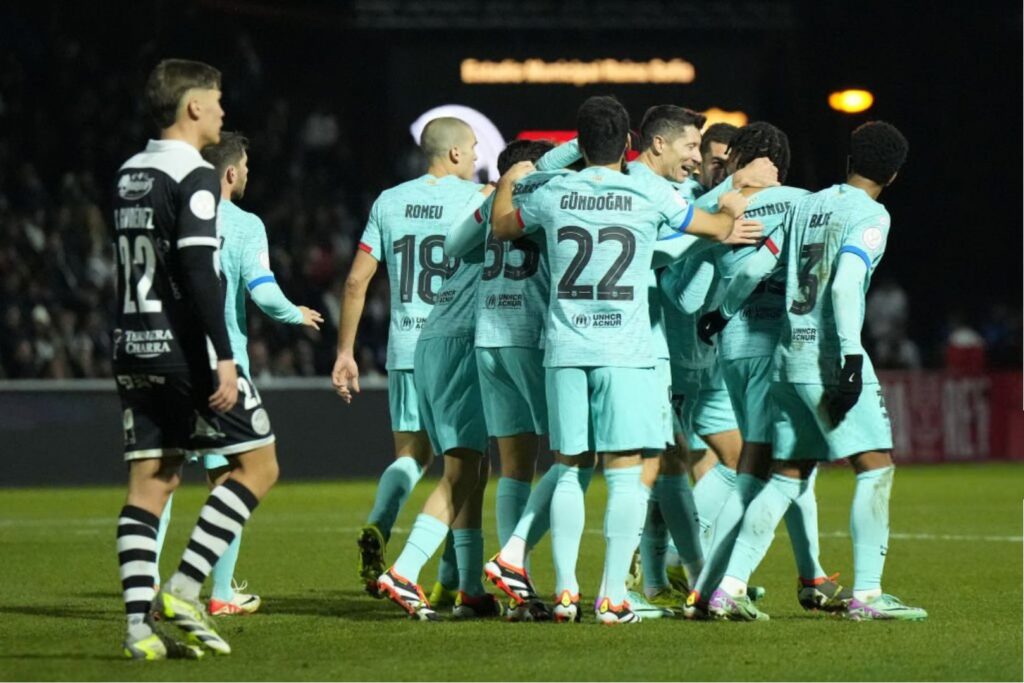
(406, 229)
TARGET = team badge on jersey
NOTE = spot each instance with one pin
(873, 238)
(203, 204)
(134, 186)
(261, 422)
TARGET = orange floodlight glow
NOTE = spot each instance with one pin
(717, 115)
(851, 101)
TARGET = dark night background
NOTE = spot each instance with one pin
(949, 76)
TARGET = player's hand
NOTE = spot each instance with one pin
(732, 203)
(760, 172)
(224, 398)
(745, 231)
(517, 171)
(311, 318)
(345, 376)
(709, 325)
(840, 399)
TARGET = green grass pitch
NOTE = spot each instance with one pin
(956, 550)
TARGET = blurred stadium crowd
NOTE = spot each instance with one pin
(70, 112)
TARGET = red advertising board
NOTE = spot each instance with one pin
(950, 417)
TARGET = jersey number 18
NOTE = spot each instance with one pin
(429, 267)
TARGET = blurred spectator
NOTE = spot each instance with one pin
(76, 109)
(57, 277)
(965, 348)
(887, 316)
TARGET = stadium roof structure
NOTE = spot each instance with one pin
(424, 15)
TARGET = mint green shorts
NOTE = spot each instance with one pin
(210, 462)
(749, 381)
(512, 386)
(803, 431)
(710, 413)
(606, 410)
(663, 395)
(449, 394)
(403, 401)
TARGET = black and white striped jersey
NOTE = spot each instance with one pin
(165, 200)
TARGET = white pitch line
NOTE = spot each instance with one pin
(80, 522)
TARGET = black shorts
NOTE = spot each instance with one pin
(165, 415)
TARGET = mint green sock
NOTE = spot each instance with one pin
(469, 549)
(568, 515)
(427, 535)
(161, 534)
(869, 527)
(759, 522)
(535, 520)
(709, 496)
(623, 517)
(448, 566)
(224, 571)
(679, 510)
(510, 503)
(392, 491)
(727, 527)
(654, 547)
(802, 525)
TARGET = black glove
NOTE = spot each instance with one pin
(709, 325)
(840, 399)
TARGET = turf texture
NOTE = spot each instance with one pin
(956, 550)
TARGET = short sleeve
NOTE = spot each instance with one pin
(530, 213)
(370, 242)
(197, 213)
(675, 210)
(867, 237)
(256, 258)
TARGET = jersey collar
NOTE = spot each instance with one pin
(171, 145)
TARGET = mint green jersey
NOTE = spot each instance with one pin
(685, 286)
(516, 280)
(754, 331)
(658, 338)
(406, 230)
(600, 227)
(454, 312)
(819, 228)
(245, 266)
(691, 189)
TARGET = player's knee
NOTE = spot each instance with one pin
(650, 467)
(673, 463)
(271, 472)
(520, 469)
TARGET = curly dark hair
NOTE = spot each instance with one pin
(877, 151)
(760, 139)
(522, 150)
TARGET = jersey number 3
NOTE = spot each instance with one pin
(810, 256)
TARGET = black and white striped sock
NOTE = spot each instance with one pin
(221, 519)
(136, 554)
